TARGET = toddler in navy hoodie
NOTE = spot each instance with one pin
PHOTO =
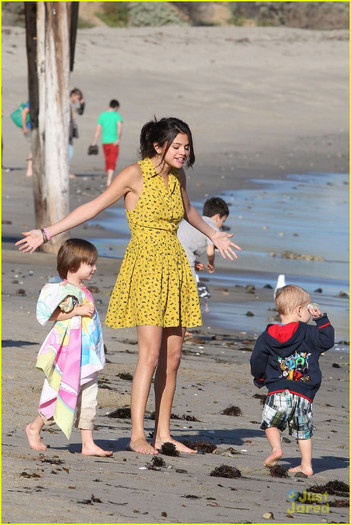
(285, 360)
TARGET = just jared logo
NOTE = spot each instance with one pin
(307, 502)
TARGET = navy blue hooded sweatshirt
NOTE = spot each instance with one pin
(285, 357)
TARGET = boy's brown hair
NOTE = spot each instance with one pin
(289, 297)
(72, 254)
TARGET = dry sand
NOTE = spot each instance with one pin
(261, 103)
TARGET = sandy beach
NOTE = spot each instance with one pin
(261, 103)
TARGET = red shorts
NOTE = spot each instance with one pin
(111, 156)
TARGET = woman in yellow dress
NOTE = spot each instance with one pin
(155, 289)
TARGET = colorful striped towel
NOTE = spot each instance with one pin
(71, 355)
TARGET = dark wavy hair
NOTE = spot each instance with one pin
(72, 254)
(163, 132)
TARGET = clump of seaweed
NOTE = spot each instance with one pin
(184, 417)
(232, 410)
(169, 449)
(90, 501)
(126, 376)
(156, 463)
(262, 397)
(277, 471)
(202, 446)
(52, 461)
(224, 471)
(120, 413)
(336, 487)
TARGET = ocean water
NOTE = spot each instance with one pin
(304, 214)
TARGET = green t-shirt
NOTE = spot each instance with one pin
(108, 121)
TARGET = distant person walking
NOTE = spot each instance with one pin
(110, 123)
(76, 107)
(26, 128)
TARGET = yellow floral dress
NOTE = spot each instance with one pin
(155, 285)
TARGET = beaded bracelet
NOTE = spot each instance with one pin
(45, 239)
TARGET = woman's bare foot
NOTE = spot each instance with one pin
(141, 446)
(34, 438)
(273, 458)
(94, 450)
(300, 468)
(180, 447)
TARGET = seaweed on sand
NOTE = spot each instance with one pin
(156, 463)
(224, 471)
(232, 410)
(121, 413)
(336, 487)
(277, 471)
(202, 446)
(262, 397)
(169, 449)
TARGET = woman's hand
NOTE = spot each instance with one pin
(31, 241)
(222, 241)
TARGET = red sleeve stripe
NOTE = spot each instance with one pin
(323, 325)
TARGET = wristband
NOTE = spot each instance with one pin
(46, 231)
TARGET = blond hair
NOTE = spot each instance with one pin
(289, 297)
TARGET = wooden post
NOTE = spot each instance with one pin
(48, 27)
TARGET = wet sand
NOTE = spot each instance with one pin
(280, 128)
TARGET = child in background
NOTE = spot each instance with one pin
(26, 128)
(110, 123)
(215, 213)
(285, 359)
(76, 107)
(73, 352)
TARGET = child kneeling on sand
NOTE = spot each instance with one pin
(73, 353)
(285, 359)
(215, 213)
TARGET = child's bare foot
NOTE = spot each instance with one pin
(300, 468)
(94, 450)
(180, 447)
(141, 446)
(273, 458)
(34, 438)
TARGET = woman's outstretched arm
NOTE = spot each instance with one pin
(125, 182)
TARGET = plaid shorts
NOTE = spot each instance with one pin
(283, 408)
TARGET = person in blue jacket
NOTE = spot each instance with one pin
(285, 359)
